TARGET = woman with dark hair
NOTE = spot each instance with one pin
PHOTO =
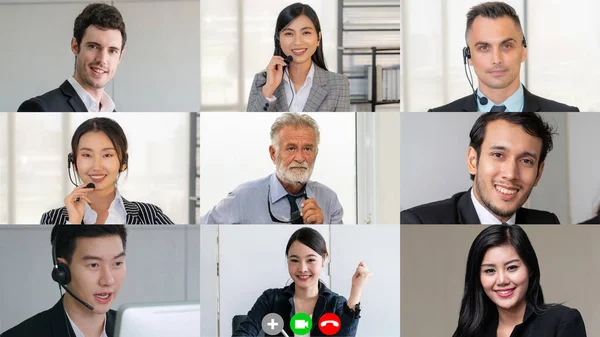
(503, 296)
(306, 253)
(296, 78)
(98, 157)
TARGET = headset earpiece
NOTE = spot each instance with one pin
(70, 160)
(524, 42)
(61, 274)
(466, 54)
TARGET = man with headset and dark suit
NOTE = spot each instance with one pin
(89, 263)
(505, 160)
(496, 47)
(98, 41)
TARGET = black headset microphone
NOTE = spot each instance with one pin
(467, 55)
(61, 273)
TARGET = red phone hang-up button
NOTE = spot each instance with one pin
(329, 324)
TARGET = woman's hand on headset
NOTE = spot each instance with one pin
(274, 75)
(75, 203)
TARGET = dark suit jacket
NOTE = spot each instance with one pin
(460, 210)
(62, 99)
(593, 221)
(558, 321)
(138, 213)
(53, 323)
(532, 103)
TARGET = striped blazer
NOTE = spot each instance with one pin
(330, 92)
(138, 213)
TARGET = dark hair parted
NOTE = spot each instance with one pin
(111, 129)
(477, 311)
(530, 122)
(290, 13)
(102, 16)
(66, 237)
(310, 238)
(492, 10)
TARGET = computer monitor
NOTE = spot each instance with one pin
(180, 319)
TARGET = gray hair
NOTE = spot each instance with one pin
(292, 119)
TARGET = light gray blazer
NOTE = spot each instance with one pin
(330, 92)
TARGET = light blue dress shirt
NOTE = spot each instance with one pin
(514, 103)
(249, 202)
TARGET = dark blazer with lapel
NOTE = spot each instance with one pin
(53, 323)
(138, 213)
(329, 92)
(558, 321)
(459, 209)
(532, 103)
(62, 99)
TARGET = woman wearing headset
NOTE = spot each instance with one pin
(502, 294)
(306, 254)
(296, 78)
(98, 157)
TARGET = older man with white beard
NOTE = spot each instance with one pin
(286, 196)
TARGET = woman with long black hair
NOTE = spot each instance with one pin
(296, 78)
(98, 157)
(306, 253)
(503, 296)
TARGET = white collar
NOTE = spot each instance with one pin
(309, 76)
(116, 211)
(90, 103)
(78, 332)
(486, 217)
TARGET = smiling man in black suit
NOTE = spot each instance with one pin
(505, 160)
(495, 49)
(98, 41)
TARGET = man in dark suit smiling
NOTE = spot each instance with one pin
(506, 161)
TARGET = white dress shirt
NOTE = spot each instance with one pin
(90, 103)
(486, 217)
(300, 97)
(78, 332)
(116, 213)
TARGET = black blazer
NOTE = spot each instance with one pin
(138, 213)
(593, 221)
(558, 321)
(62, 99)
(532, 103)
(459, 209)
(280, 301)
(53, 323)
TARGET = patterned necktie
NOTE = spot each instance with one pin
(498, 108)
(295, 217)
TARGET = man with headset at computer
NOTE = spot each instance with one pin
(496, 47)
(286, 196)
(89, 264)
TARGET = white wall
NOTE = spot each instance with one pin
(561, 61)
(584, 165)
(158, 172)
(162, 266)
(160, 69)
(434, 161)
(234, 148)
(260, 250)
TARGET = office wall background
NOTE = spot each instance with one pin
(433, 273)
(560, 58)
(162, 266)
(160, 69)
(254, 257)
(237, 42)
(434, 167)
(37, 148)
